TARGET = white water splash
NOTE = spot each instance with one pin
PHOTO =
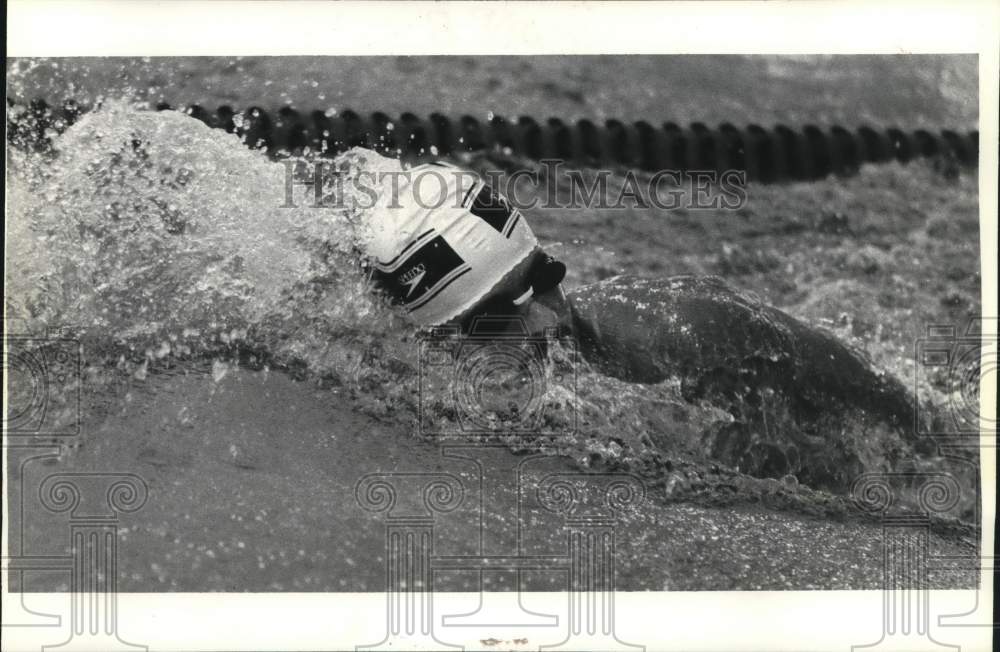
(154, 231)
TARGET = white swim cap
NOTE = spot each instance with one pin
(442, 239)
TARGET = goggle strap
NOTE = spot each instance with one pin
(521, 300)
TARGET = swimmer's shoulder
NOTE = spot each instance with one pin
(635, 286)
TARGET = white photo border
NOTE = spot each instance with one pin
(675, 620)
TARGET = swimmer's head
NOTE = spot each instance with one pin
(444, 246)
(531, 294)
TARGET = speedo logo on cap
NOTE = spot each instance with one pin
(412, 276)
(421, 271)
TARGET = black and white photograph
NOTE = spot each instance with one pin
(497, 344)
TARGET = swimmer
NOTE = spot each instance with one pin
(463, 252)
(474, 255)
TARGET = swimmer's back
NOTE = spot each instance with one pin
(718, 340)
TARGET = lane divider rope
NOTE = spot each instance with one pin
(776, 154)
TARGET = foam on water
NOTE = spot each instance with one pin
(153, 231)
